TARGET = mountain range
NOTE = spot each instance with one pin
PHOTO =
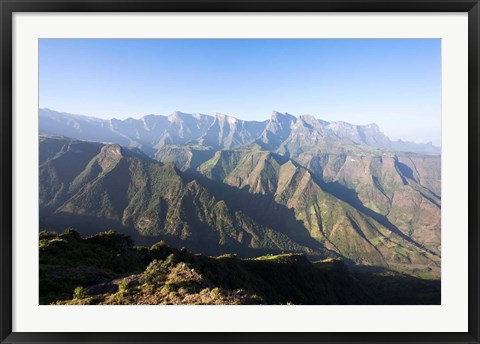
(151, 133)
(222, 185)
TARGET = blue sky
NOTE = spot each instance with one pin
(395, 83)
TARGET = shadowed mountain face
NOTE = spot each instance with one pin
(220, 185)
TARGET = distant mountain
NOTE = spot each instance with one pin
(229, 132)
(277, 130)
(80, 127)
(282, 131)
(292, 136)
(370, 135)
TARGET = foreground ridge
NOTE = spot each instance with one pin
(108, 269)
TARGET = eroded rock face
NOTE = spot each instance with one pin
(109, 155)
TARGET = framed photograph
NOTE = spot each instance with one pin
(234, 171)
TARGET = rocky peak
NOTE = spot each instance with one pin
(308, 119)
(112, 150)
(176, 116)
(222, 118)
(282, 117)
(339, 125)
(109, 154)
(281, 121)
(372, 126)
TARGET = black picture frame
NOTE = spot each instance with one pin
(8, 7)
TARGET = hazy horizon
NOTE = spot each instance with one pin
(395, 83)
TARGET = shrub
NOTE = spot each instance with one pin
(117, 242)
(216, 292)
(160, 250)
(181, 273)
(156, 272)
(70, 233)
(79, 293)
(124, 286)
(47, 235)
